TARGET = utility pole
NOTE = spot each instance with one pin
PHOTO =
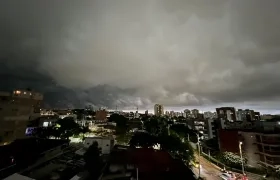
(136, 173)
(241, 157)
(198, 145)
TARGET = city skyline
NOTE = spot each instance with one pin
(182, 54)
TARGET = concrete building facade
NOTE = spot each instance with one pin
(17, 109)
(158, 110)
(227, 113)
(106, 144)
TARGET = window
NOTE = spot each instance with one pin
(269, 158)
(4, 98)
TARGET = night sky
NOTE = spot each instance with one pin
(179, 53)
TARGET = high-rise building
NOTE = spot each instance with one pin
(158, 110)
(247, 115)
(17, 109)
(195, 113)
(209, 115)
(240, 115)
(146, 112)
(101, 115)
(226, 113)
(257, 116)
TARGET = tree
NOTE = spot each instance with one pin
(84, 130)
(143, 139)
(123, 139)
(212, 143)
(170, 143)
(119, 119)
(185, 132)
(93, 162)
(67, 127)
(153, 126)
(174, 144)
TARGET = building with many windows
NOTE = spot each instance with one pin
(17, 109)
(226, 113)
(158, 110)
(260, 145)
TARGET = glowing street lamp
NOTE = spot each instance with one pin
(241, 157)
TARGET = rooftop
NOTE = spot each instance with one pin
(24, 152)
(151, 164)
(65, 166)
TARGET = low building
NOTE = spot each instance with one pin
(26, 153)
(106, 144)
(101, 115)
(145, 163)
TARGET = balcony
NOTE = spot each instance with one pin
(273, 153)
(271, 142)
(272, 162)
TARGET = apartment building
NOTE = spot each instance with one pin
(197, 124)
(261, 145)
(227, 113)
(158, 110)
(268, 146)
(212, 126)
(17, 109)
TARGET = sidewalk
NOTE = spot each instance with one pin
(251, 176)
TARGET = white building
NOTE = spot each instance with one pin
(240, 115)
(158, 110)
(209, 115)
(106, 144)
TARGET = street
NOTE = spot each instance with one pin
(208, 170)
(212, 172)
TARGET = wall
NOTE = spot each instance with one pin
(16, 109)
(228, 140)
(101, 115)
(104, 144)
(250, 148)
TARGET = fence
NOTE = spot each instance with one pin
(252, 171)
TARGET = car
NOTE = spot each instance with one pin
(195, 164)
(227, 176)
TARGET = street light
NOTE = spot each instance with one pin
(198, 145)
(241, 157)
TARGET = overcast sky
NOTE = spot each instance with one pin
(179, 53)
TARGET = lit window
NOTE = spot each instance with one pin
(24, 92)
(17, 92)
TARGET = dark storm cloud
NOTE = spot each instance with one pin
(136, 53)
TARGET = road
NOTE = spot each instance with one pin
(212, 172)
(208, 170)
